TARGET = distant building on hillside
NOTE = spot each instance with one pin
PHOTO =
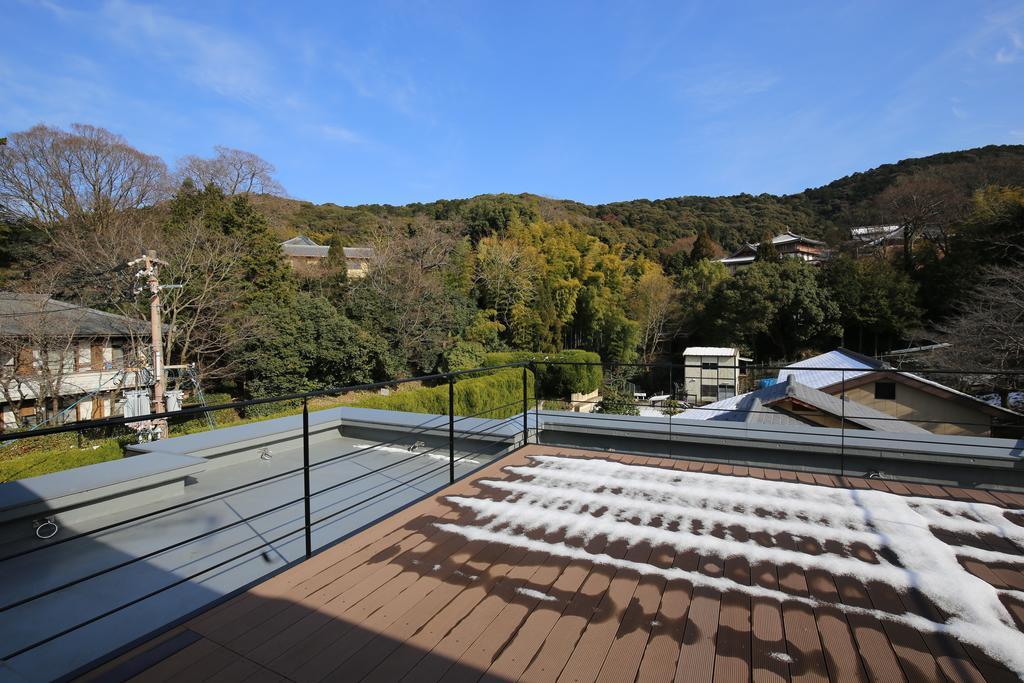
(875, 235)
(358, 260)
(788, 244)
(877, 238)
(304, 254)
(711, 373)
(60, 362)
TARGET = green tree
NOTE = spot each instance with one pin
(774, 307)
(704, 248)
(876, 301)
(766, 249)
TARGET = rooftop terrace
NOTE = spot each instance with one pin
(555, 563)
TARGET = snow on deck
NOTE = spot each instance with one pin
(566, 564)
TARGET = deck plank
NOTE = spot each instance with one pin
(407, 600)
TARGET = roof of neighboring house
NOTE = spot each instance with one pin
(709, 351)
(303, 246)
(842, 365)
(31, 315)
(358, 252)
(760, 407)
(831, 368)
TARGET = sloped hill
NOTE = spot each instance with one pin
(650, 226)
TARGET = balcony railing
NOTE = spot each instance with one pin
(527, 423)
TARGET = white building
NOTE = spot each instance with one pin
(711, 373)
(60, 362)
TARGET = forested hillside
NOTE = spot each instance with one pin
(652, 226)
(457, 279)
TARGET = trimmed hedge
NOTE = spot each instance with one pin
(557, 381)
(498, 394)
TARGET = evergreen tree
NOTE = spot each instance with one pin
(766, 249)
(704, 248)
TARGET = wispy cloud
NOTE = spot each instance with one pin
(1008, 54)
(341, 134)
(373, 77)
(210, 58)
(722, 88)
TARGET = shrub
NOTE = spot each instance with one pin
(615, 401)
(499, 394)
(557, 381)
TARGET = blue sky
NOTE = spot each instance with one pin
(414, 101)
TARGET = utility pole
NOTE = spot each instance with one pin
(150, 270)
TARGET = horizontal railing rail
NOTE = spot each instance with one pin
(493, 427)
(474, 436)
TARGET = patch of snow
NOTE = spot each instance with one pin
(660, 506)
(436, 567)
(406, 451)
(536, 595)
(648, 411)
(781, 657)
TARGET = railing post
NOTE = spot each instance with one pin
(671, 404)
(526, 409)
(536, 407)
(842, 426)
(451, 429)
(305, 475)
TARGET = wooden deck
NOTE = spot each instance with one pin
(406, 600)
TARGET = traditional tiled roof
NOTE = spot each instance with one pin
(303, 246)
(32, 315)
(358, 252)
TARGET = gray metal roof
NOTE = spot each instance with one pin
(757, 407)
(32, 315)
(840, 364)
(854, 412)
(359, 252)
(303, 246)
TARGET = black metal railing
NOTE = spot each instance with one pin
(657, 379)
(492, 428)
(941, 424)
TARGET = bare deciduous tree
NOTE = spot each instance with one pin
(404, 290)
(205, 323)
(82, 176)
(924, 205)
(234, 171)
(988, 334)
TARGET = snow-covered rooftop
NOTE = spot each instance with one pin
(709, 351)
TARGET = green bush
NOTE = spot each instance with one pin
(499, 394)
(556, 381)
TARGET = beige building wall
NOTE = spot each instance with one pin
(724, 377)
(944, 415)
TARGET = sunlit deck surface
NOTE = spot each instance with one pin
(724, 581)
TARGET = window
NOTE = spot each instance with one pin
(709, 365)
(726, 391)
(709, 390)
(885, 391)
